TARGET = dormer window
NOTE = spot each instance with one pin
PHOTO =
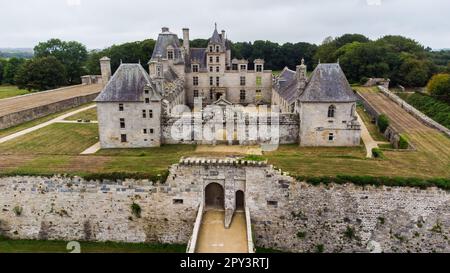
(195, 68)
(258, 68)
(243, 67)
(210, 48)
(170, 54)
(217, 48)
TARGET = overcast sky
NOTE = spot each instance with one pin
(101, 23)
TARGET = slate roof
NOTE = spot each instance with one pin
(287, 85)
(198, 55)
(164, 40)
(216, 38)
(328, 84)
(126, 85)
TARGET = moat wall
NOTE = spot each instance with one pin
(286, 214)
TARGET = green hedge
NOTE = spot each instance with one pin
(437, 110)
(423, 183)
(377, 153)
(403, 143)
(383, 123)
(161, 178)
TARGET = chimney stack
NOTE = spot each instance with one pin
(165, 29)
(186, 40)
(223, 35)
(105, 67)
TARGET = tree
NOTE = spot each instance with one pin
(72, 55)
(11, 68)
(326, 53)
(439, 87)
(42, 73)
(2, 67)
(128, 53)
(414, 72)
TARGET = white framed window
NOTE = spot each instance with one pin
(195, 81)
(195, 68)
(170, 54)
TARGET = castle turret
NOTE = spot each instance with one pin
(105, 67)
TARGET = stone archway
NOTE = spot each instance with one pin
(240, 201)
(214, 196)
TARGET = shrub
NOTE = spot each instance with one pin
(383, 123)
(363, 80)
(301, 234)
(320, 248)
(403, 143)
(18, 210)
(123, 175)
(349, 233)
(136, 210)
(439, 87)
(377, 153)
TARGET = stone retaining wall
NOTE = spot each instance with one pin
(17, 118)
(285, 214)
(413, 111)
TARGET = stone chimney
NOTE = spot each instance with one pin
(105, 67)
(223, 35)
(165, 29)
(186, 40)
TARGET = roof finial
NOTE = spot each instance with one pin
(215, 25)
(139, 61)
(120, 61)
(338, 61)
(319, 61)
(303, 61)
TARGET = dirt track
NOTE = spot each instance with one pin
(16, 104)
(424, 138)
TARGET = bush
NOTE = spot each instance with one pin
(136, 210)
(301, 234)
(439, 87)
(349, 233)
(383, 123)
(363, 80)
(18, 210)
(320, 248)
(377, 153)
(403, 143)
(123, 175)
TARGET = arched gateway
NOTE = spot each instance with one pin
(214, 196)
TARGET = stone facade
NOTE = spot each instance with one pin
(180, 76)
(285, 214)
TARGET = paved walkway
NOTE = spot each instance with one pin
(42, 125)
(92, 150)
(214, 238)
(369, 142)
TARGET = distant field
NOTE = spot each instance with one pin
(8, 91)
(35, 246)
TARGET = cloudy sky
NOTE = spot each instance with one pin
(101, 23)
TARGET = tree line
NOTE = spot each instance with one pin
(403, 60)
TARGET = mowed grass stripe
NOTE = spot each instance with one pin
(55, 139)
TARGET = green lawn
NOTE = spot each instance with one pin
(8, 91)
(29, 124)
(55, 139)
(90, 114)
(36, 246)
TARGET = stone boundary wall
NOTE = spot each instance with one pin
(413, 111)
(285, 214)
(17, 118)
